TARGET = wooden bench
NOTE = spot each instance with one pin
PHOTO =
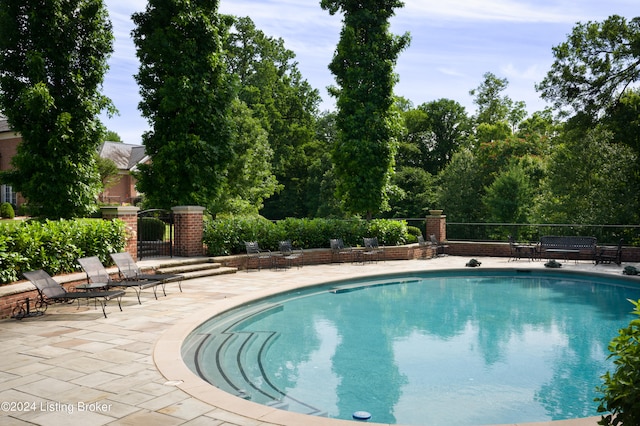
(580, 247)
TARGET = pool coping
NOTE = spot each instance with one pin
(168, 358)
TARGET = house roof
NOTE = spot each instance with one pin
(126, 156)
(4, 124)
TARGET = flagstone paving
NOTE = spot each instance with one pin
(73, 366)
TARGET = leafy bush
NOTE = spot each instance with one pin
(6, 211)
(227, 236)
(413, 233)
(55, 245)
(621, 390)
(151, 229)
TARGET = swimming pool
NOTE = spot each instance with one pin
(470, 348)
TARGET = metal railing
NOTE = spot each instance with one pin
(605, 234)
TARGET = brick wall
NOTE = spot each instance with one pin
(129, 215)
(324, 255)
(188, 228)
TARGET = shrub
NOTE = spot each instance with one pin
(621, 390)
(55, 245)
(413, 233)
(227, 236)
(151, 229)
(6, 211)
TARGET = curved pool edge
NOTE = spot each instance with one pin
(167, 357)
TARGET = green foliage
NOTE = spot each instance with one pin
(509, 198)
(250, 179)
(284, 104)
(414, 191)
(186, 96)
(6, 211)
(151, 229)
(590, 181)
(438, 129)
(55, 245)
(594, 66)
(494, 108)
(226, 236)
(53, 62)
(460, 188)
(368, 127)
(621, 390)
(413, 233)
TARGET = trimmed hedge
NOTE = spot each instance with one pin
(55, 245)
(227, 236)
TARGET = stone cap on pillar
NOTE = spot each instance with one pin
(188, 209)
(119, 210)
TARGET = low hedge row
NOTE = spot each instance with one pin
(55, 245)
(227, 236)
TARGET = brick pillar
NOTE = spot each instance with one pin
(188, 228)
(437, 225)
(129, 215)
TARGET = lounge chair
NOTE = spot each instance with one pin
(130, 271)
(338, 249)
(372, 249)
(97, 274)
(49, 290)
(289, 254)
(255, 252)
(439, 247)
(424, 246)
(610, 254)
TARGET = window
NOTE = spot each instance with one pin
(7, 195)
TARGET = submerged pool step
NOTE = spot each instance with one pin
(236, 365)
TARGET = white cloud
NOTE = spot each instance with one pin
(454, 42)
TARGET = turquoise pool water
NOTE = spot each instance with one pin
(457, 348)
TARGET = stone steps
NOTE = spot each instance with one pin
(193, 267)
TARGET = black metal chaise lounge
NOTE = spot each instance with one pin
(98, 274)
(338, 249)
(254, 251)
(130, 271)
(372, 249)
(49, 290)
(289, 254)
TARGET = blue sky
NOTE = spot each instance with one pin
(454, 42)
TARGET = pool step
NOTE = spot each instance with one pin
(236, 367)
(194, 268)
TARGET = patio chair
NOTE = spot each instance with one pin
(289, 254)
(49, 291)
(98, 274)
(424, 246)
(372, 248)
(439, 247)
(610, 254)
(338, 249)
(255, 252)
(129, 270)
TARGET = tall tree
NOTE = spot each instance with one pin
(493, 107)
(249, 179)
(594, 67)
(53, 58)
(440, 130)
(588, 181)
(285, 104)
(186, 96)
(367, 126)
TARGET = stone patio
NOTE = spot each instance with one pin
(72, 366)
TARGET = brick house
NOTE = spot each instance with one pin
(125, 156)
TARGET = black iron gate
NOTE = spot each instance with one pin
(155, 233)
